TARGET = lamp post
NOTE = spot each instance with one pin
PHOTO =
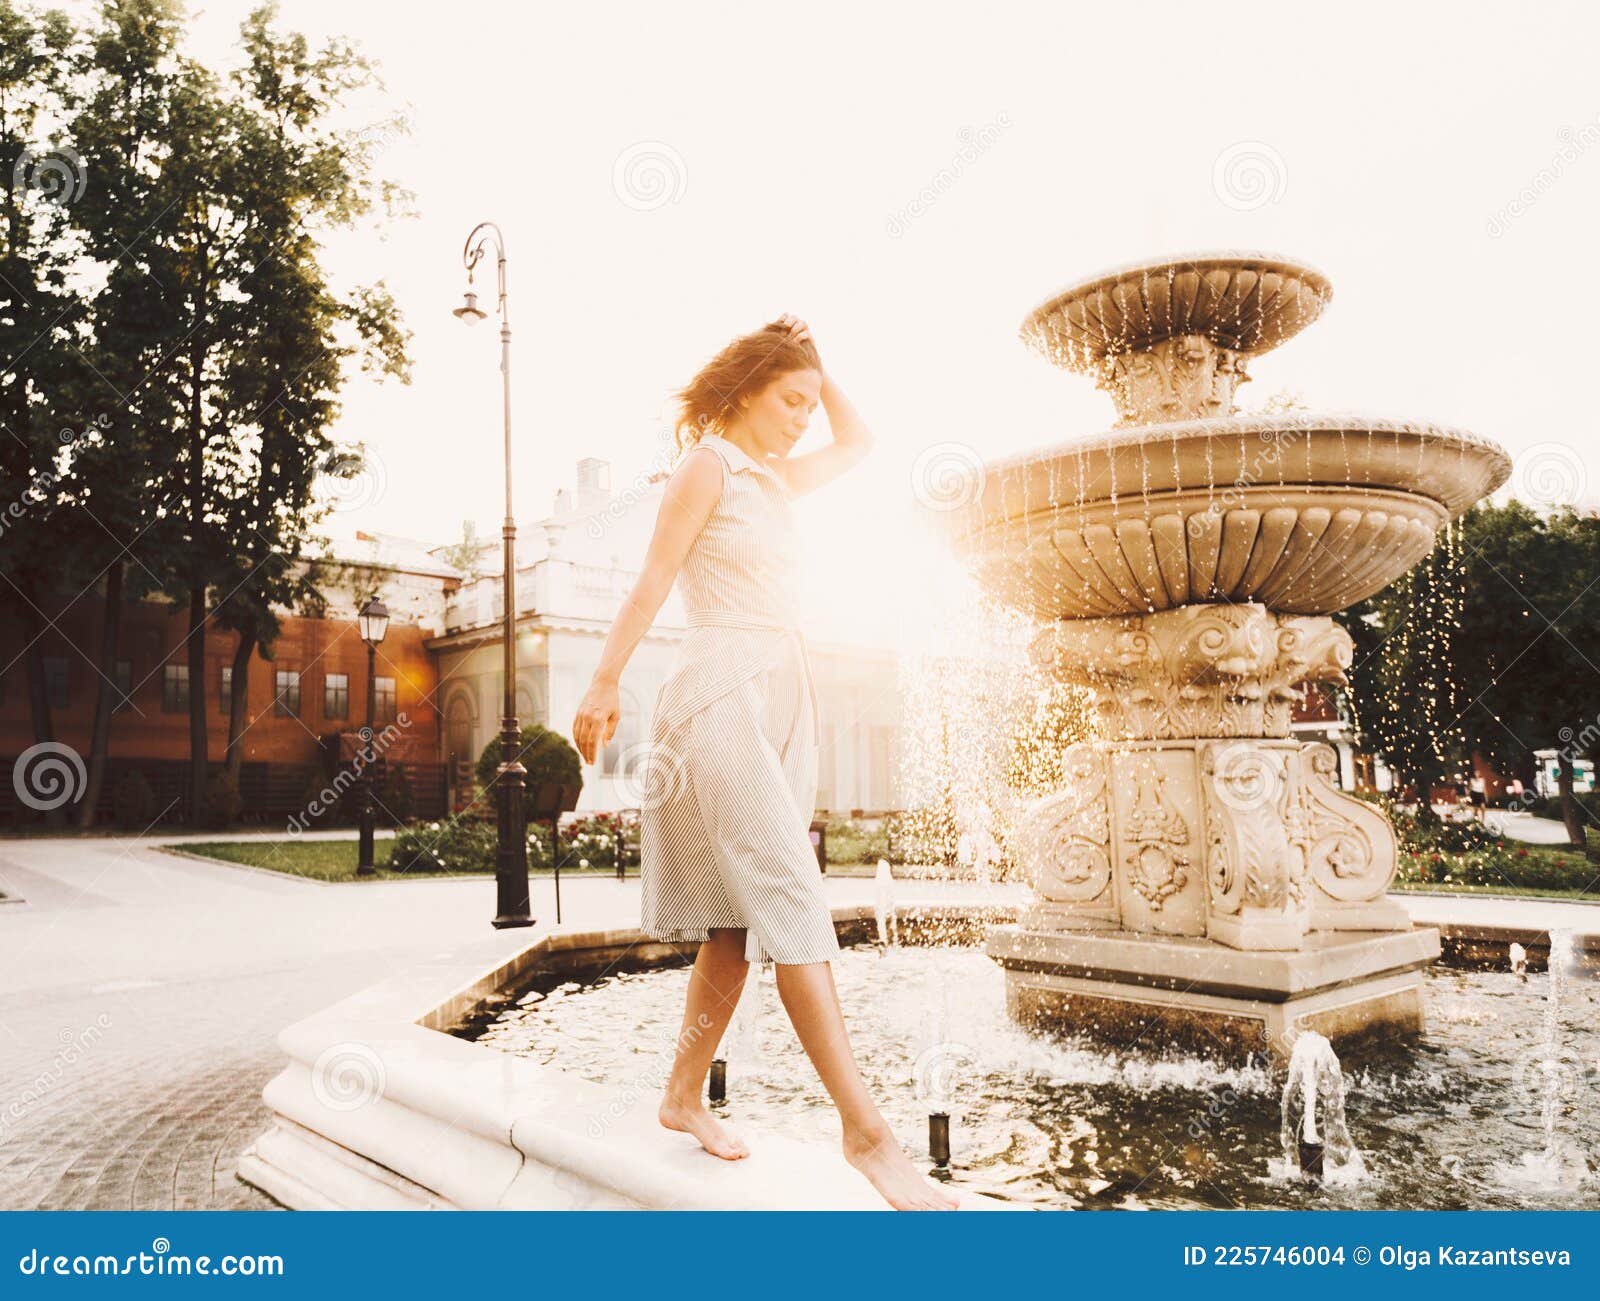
(373, 622)
(511, 858)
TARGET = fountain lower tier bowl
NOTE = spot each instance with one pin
(1306, 514)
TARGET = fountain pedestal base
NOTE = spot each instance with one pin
(1130, 987)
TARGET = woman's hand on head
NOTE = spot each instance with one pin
(799, 331)
(596, 720)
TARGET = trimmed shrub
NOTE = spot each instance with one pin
(548, 756)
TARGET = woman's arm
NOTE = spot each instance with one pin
(686, 503)
(851, 438)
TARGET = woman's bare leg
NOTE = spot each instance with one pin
(812, 1001)
(715, 982)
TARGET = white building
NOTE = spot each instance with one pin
(573, 570)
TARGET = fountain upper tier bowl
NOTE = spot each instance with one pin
(1246, 302)
(1306, 514)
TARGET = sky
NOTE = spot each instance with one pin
(911, 180)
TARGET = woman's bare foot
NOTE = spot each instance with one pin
(693, 1118)
(900, 1183)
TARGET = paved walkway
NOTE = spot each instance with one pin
(143, 992)
(1527, 828)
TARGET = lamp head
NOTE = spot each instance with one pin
(373, 621)
(469, 311)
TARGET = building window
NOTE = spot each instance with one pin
(175, 689)
(55, 681)
(122, 686)
(287, 702)
(225, 698)
(336, 695)
(383, 707)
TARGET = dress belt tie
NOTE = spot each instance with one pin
(737, 619)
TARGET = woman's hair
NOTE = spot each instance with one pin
(746, 366)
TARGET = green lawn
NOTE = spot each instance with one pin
(335, 860)
(1501, 892)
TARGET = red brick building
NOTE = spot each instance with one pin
(299, 702)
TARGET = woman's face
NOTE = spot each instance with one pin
(777, 416)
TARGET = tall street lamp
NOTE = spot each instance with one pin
(511, 858)
(373, 622)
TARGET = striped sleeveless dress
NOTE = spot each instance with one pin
(732, 779)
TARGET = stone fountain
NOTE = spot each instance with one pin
(1201, 877)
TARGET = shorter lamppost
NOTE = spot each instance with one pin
(373, 621)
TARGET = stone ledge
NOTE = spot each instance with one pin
(377, 1109)
(1329, 959)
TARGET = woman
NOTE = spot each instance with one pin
(725, 853)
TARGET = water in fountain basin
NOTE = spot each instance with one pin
(883, 904)
(741, 1046)
(1062, 1121)
(1313, 1112)
(1558, 1166)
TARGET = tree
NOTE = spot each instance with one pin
(42, 310)
(224, 191)
(1529, 645)
(1404, 681)
(126, 480)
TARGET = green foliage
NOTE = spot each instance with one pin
(133, 801)
(459, 844)
(1529, 631)
(548, 757)
(180, 314)
(468, 843)
(593, 841)
(1407, 692)
(1447, 853)
(1487, 646)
